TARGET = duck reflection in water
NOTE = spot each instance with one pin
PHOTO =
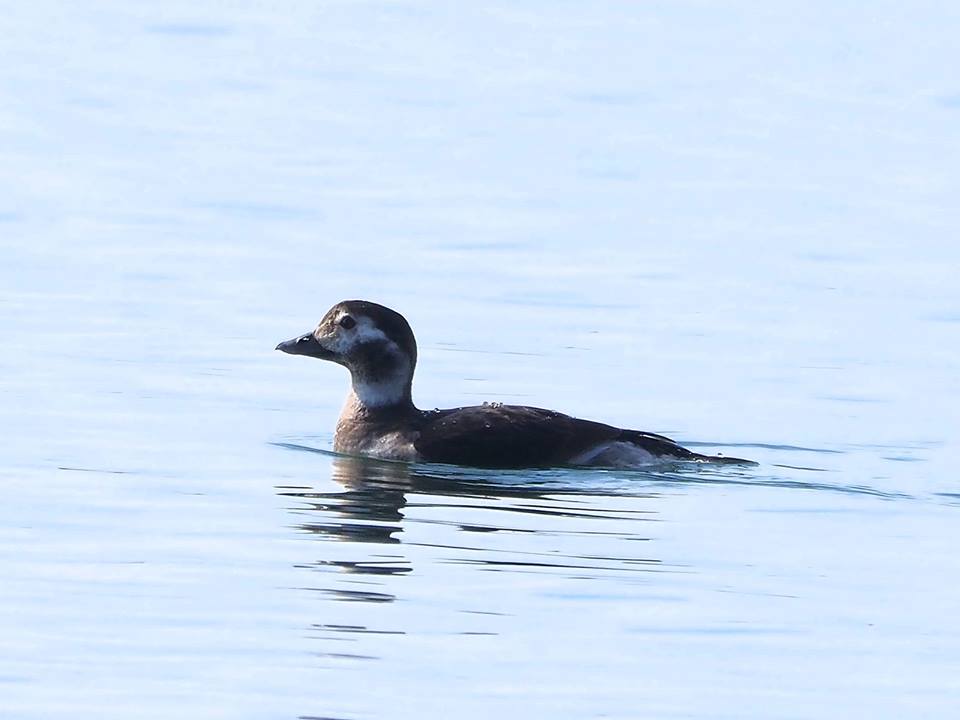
(376, 492)
(380, 499)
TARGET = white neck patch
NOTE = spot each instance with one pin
(380, 393)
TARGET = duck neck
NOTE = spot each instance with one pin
(384, 392)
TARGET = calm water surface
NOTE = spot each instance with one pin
(731, 224)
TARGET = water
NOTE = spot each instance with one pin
(730, 224)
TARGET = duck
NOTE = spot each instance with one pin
(379, 419)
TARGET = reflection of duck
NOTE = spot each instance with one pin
(375, 493)
(373, 505)
(371, 502)
(379, 418)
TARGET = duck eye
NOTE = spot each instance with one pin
(347, 322)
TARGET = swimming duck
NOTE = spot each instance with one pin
(380, 420)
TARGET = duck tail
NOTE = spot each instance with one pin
(663, 446)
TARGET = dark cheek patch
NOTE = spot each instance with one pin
(376, 359)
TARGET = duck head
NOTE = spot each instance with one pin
(373, 342)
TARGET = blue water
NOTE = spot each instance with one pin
(732, 224)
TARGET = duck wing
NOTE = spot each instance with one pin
(506, 436)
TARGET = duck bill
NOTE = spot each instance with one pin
(305, 345)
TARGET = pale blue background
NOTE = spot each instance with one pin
(735, 223)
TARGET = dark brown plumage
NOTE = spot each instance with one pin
(379, 418)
